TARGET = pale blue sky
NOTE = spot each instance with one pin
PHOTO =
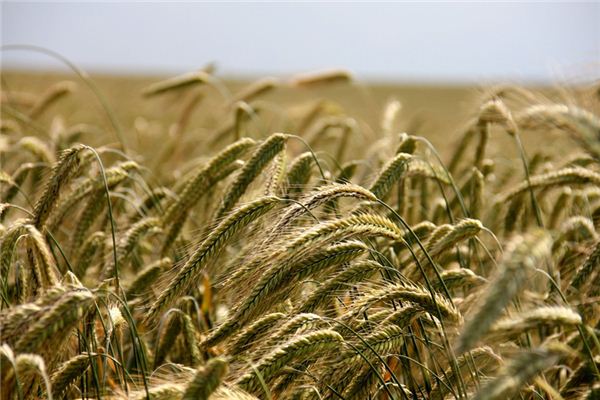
(426, 42)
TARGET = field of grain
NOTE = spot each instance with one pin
(308, 237)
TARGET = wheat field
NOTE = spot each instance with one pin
(302, 238)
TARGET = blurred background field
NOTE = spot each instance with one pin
(431, 109)
(435, 111)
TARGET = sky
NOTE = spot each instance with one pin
(541, 42)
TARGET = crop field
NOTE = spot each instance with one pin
(310, 237)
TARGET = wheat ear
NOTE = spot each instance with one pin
(62, 171)
(206, 380)
(298, 174)
(62, 316)
(253, 332)
(304, 346)
(177, 82)
(586, 269)
(257, 162)
(52, 95)
(68, 372)
(215, 241)
(565, 176)
(520, 370)
(321, 78)
(539, 317)
(522, 255)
